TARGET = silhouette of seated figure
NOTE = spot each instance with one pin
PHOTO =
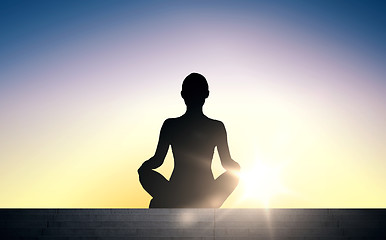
(193, 138)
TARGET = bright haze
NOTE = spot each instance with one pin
(86, 85)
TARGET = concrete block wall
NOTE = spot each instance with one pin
(58, 224)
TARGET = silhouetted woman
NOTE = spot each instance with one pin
(193, 138)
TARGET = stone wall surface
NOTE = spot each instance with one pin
(60, 224)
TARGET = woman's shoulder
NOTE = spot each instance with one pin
(216, 122)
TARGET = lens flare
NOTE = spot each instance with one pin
(262, 182)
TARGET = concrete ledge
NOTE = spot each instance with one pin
(193, 223)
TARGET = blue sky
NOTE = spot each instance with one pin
(84, 85)
(30, 27)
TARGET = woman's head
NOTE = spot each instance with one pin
(194, 89)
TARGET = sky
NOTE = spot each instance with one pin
(86, 85)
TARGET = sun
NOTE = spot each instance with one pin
(262, 182)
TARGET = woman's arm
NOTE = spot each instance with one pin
(162, 149)
(223, 150)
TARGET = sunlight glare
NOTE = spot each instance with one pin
(262, 182)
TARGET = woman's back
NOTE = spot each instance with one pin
(193, 140)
